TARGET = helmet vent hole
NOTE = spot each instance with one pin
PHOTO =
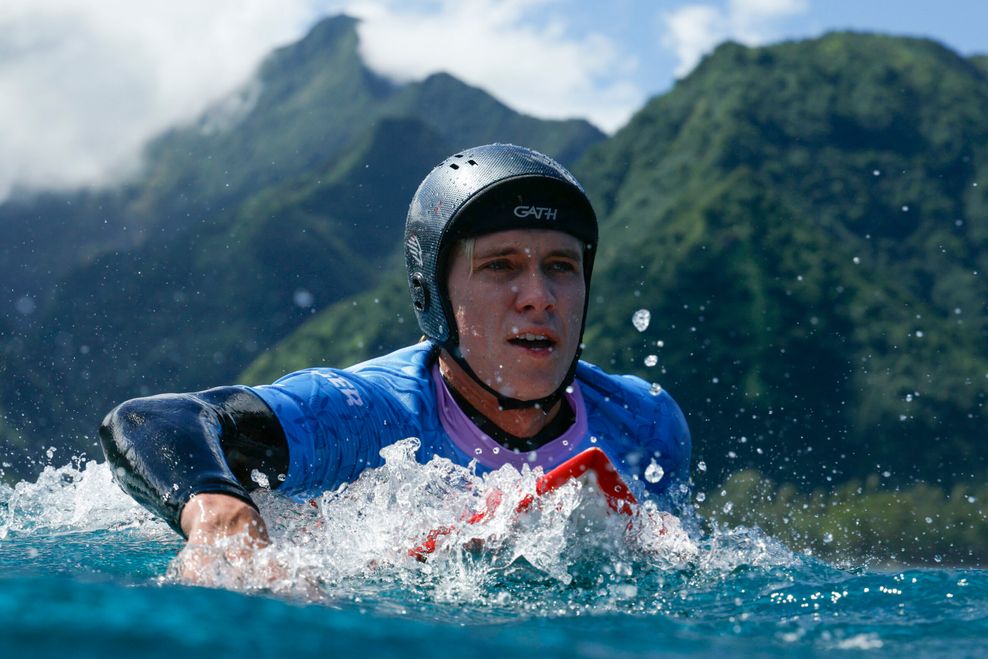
(454, 166)
(472, 162)
(420, 294)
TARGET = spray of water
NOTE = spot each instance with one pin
(78, 497)
(437, 531)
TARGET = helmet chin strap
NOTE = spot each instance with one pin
(508, 403)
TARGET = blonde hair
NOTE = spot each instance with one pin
(468, 245)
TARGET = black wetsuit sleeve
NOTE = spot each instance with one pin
(165, 449)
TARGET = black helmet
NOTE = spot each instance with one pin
(489, 188)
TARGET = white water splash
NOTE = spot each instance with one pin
(74, 498)
(726, 549)
(361, 540)
(441, 529)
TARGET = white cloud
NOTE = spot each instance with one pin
(84, 84)
(693, 30)
(534, 66)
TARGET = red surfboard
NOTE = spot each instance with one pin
(592, 461)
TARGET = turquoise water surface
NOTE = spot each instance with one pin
(85, 572)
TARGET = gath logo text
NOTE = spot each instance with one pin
(538, 211)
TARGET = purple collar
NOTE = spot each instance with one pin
(476, 444)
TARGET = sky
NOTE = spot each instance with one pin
(84, 84)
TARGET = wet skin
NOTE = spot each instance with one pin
(518, 304)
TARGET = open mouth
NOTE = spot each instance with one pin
(533, 341)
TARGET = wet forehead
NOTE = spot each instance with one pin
(529, 242)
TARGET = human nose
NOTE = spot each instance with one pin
(535, 291)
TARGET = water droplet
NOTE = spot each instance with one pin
(701, 465)
(478, 451)
(26, 305)
(828, 537)
(701, 497)
(641, 319)
(651, 360)
(938, 558)
(728, 507)
(856, 260)
(260, 478)
(928, 520)
(495, 450)
(660, 343)
(654, 472)
(655, 389)
(303, 298)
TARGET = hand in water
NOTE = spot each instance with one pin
(208, 518)
(229, 547)
(226, 546)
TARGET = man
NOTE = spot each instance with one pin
(499, 243)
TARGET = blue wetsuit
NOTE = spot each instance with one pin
(337, 421)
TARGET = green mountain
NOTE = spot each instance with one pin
(293, 117)
(370, 323)
(980, 61)
(191, 312)
(806, 224)
(308, 105)
(288, 206)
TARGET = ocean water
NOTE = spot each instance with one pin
(85, 572)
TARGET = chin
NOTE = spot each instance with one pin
(535, 393)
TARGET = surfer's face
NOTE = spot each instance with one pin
(518, 301)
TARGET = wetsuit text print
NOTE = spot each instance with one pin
(352, 395)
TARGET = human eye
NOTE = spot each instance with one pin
(495, 265)
(562, 266)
